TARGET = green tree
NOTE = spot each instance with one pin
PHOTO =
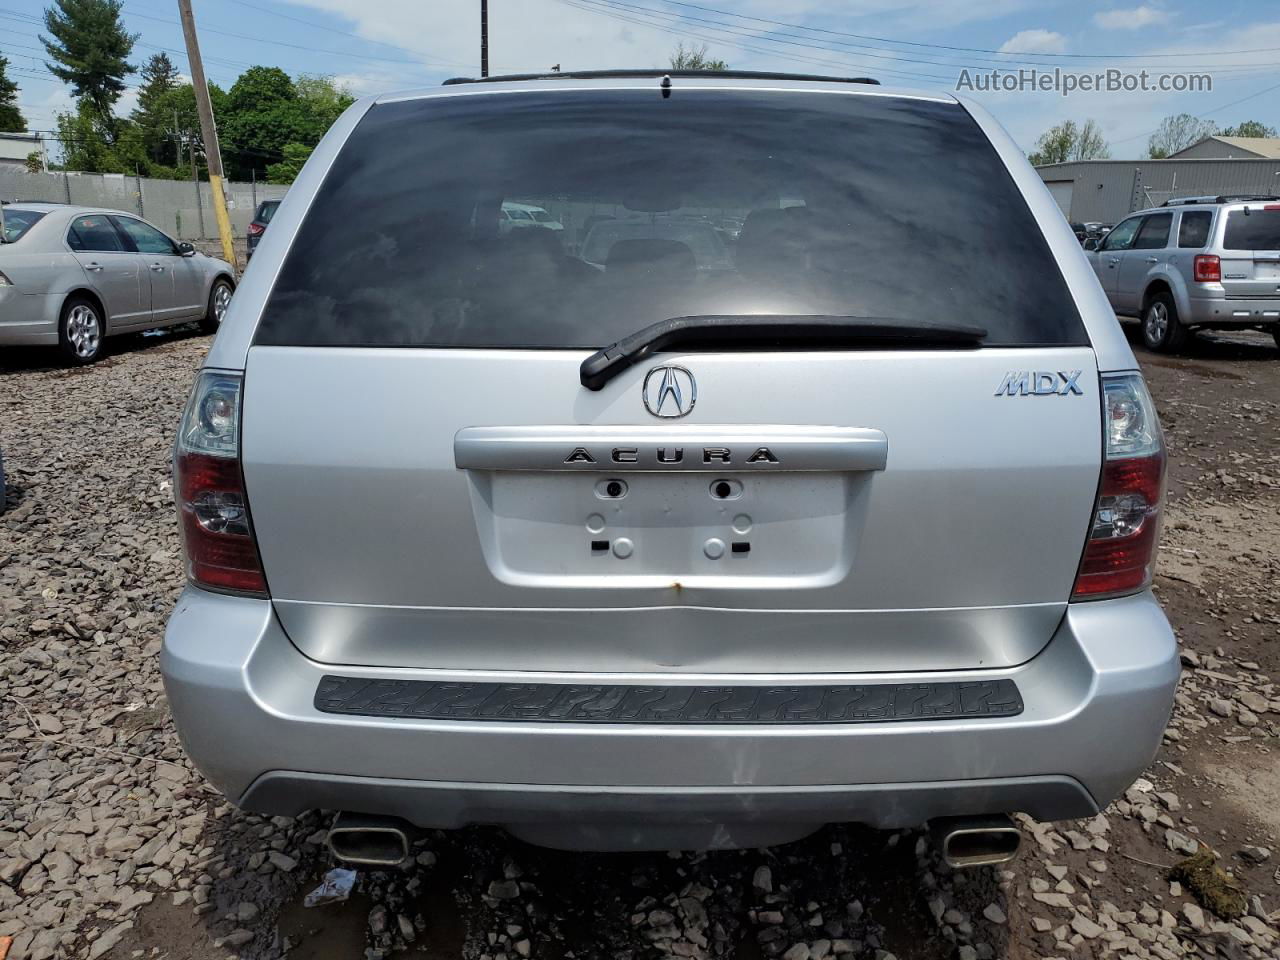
(1067, 141)
(263, 114)
(267, 112)
(11, 118)
(287, 170)
(154, 124)
(90, 49)
(178, 105)
(1176, 133)
(324, 98)
(85, 146)
(1250, 128)
(694, 58)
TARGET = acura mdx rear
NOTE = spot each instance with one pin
(640, 533)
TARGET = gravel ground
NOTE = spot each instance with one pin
(111, 845)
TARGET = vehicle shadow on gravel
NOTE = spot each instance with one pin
(49, 359)
(1224, 345)
(847, 891)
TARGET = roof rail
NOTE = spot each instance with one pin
(657, 74)
(1221, 198)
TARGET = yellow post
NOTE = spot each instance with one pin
(224, 220)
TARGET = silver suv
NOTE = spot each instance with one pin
(854, 522)
(1195, 263)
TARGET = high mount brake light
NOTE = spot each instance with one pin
(213, 511)
(1120, 554)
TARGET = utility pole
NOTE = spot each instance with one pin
(208, 132)
(484, 38)
(177, 139)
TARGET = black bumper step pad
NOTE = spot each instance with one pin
(724, 705)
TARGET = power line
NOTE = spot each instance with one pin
(282, 43)
(789, 39)
(796, 58)
(881, 53)
(1200, 116)
(726, 34)
(22, 33)
(255, 151)
(940, 46)
(719, 36)
(342, 33)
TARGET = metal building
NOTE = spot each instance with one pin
(1106, 190)
(16, 147)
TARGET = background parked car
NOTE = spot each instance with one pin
(261, 217)
(516, 216)
(700, 243)
(1200, 263)
(73, 276)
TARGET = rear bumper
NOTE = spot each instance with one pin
(1220, 310)
(27, 319)
(1097, 699)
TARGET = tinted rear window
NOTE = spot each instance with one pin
(1255, 230)
(848, 204)
(267, 211)
(18, 222)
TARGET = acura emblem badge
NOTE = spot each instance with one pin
(669, 391)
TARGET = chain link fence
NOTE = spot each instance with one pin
(181, 208)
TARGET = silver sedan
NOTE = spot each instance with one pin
(73, 276)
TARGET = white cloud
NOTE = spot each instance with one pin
(1130, 19)
(1035, 41)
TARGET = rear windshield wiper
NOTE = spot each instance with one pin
(720, 331)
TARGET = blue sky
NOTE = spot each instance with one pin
(380, 45)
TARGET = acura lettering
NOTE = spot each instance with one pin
(670, 456)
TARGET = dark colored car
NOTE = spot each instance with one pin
(266, 210)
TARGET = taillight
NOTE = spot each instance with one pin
(213, 512)
(1120, 554)
(255, 229)
(1206, 268)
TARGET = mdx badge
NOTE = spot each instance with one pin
(669, 391)
(1039, 383)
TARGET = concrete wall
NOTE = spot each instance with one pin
(1106, 190)
(181, 208)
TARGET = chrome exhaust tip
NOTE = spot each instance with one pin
(369, 840)
(976, 841)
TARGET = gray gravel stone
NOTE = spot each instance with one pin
(504, 889)
(763, 879)
(1253, 854)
